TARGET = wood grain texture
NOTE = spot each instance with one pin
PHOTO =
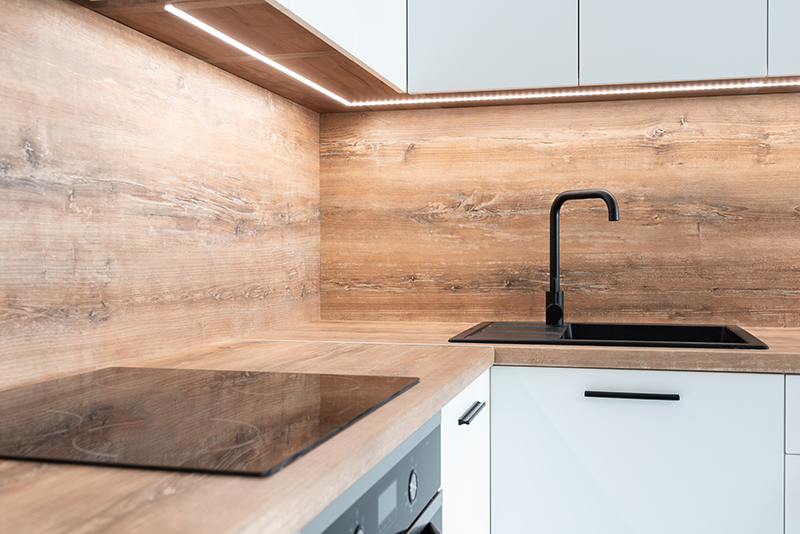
(442, 215)
(783, 355)
(269, 29)
(383, 332)
(52, 498)
(149, 201)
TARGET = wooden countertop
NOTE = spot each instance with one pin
(783, 355)
(48, 497)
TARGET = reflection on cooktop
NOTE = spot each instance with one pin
(233, 422)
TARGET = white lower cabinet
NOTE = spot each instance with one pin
(465, 461)
(792, 494)
(792, 454)
(562, 462)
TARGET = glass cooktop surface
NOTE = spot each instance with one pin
(232, 422)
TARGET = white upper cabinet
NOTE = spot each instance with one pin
(374, 31)
(338, 20)
(629, 41)
(784, 37)
(472, 45)
(383, 39)
(440, 46)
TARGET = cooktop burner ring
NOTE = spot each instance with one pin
(239, 422)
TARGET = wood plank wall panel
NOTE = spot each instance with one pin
(443, 215)
(149, 201)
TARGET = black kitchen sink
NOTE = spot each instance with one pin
(611, 334)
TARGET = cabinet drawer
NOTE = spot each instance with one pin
(643, 451)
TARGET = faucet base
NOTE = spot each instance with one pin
(554, 311)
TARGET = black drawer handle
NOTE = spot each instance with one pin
(639, 396)
(472, 413)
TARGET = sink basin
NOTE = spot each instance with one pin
(610, 334)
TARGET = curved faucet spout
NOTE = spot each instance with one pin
(554, 312)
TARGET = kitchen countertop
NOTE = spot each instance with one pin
(783, 355)
(49, 497)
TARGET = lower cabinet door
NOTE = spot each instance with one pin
(697, 453)
(465, 460)
(792, 494)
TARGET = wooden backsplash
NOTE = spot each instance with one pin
(444, 214)
(150, 201)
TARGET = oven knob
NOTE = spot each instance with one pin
(413, 485)
(359, 530)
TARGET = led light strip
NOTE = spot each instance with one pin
(249, 51)
(543, 93)
(588, 91)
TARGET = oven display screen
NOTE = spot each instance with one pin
(387, 501)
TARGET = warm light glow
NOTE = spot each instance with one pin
(587, 91)
(249, 51)
(534, 94)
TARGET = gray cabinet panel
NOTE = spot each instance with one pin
(784, 37)
(628, 41)
(468, 45)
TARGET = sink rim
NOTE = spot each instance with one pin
(537, 333)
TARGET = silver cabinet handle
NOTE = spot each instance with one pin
(472, 413)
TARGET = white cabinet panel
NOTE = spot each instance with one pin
(383, 38)
(466, 45)
(374, 31)
(784, 37)
(624, 41)
(563, 463)
(339, 20)
(793, 414)
(792, 494)
(465, 462)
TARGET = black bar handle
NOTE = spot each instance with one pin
(638, 396)
(472, 413)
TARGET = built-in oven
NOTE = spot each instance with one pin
(401, 495)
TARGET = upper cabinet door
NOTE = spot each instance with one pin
(473, 45)
(383, 39)
(374, 31)
(784, 37)
(629, 41)
(339, 20)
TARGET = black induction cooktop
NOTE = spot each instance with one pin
(230, 422)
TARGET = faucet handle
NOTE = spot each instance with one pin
(554, 312)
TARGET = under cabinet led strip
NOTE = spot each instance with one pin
(249, 51)
(527, 95)
(588, 91)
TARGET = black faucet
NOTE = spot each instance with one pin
(554, 313)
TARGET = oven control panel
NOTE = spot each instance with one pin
(393, 503)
